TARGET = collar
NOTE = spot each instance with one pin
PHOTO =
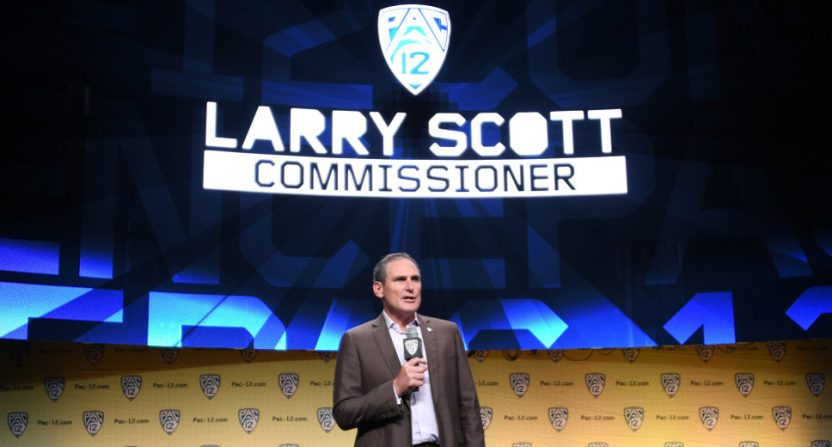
(392, 324)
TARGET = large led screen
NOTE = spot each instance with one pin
(569, 174)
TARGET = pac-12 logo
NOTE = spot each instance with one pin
(414, 40)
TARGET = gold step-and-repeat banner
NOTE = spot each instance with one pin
(759, 394)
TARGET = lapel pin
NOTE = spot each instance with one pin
(430, 329)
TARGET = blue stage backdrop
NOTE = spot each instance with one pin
(570, 174)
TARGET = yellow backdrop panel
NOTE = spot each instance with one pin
(744, 395)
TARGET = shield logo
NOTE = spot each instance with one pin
(169, 418)
(512, 355)
(674, 444)
(411, 345)
(19, 352)
(709, 417)
(519, 383)
(749, 444)
(777, 350)
(248, 417)
(555, 354)
(414, 40)
(815, 382)
(631, 354)
(326, 356)
(670, 382)
(248, 355)
(558, 417)
(595, 383)
(486, 415)
(782, 416)
(209, 384)
(94, 353)
(169, 355)
(744, 382)
(54, 387)
(634, 417)
(18, 421)
(93, 420)
(822, 443)
(480, 355)
(325, 419)
(130, 386)
(705, 352)
(289, 383)
(597, 444)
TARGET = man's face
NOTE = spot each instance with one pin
(401, 290)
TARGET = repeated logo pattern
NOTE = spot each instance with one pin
(595, 383)
(709, 416)
(54, 387)
(634, 417)
(519, 383)
(289, 383)
(782, 416)
(169, 355)
(480, 355)
(248, 355)
(555, 354)
(744, 382)
(19, 352)
(821, 443)
(248, 418)
(670, 382)
(777, 350)
(597, 444)
(705, 352)
(674, 444)
(131, 385)
(210, 384)
(18, 421)
(749, 444)
(169, 419)
(93, 421)
(486, 416)
(93, 353)
(631, 354)
(816, 382)
(325, 419)
(558, 416)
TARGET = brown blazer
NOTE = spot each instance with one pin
(363, 395)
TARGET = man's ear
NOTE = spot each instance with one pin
(378, 289)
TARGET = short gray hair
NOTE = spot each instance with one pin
(380, 270)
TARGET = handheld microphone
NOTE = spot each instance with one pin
(412, 346)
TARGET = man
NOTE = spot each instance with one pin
(426, 401)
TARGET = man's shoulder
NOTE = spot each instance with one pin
(438, 323)
(364, 328)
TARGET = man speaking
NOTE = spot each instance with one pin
(403, 379)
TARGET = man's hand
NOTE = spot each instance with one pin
(412, 375)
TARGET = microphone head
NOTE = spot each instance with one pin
(412, 344)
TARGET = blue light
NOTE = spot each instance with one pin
(20, 302)
(713, 311)
(169, 312)
(810, 305)
(17, 255)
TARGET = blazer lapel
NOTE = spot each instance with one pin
(381, 334)
(434, 362)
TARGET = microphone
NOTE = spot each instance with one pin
(412, 346)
